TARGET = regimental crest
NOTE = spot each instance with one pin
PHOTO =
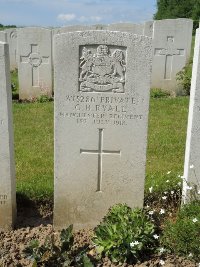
(102, 71)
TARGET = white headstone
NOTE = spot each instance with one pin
(3, 37)
(192, 153)
(34, 62)
(12, 41)
(171, 47)
(7, 170)
(102, 83)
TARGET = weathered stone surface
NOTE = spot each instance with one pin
(102, 82)
(7, 170)
(192, 153)
(12, 41)
(34, 62)
(3, 37)
(171, 48)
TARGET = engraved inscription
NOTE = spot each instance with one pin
(169, 53)
(13, 35)
(100, 152)
(102, 110)
(2, 59)
(3, 199)
(102, 70)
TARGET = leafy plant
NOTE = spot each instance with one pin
(125, 235)
(53, 253)
(158, 93)
(182, 237)
(50, 253)
(184, 77)
(14, 83)
(44, 98)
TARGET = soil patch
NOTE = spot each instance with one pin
(34, 221)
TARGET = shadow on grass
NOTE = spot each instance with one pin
(15, 96)
(32, 213)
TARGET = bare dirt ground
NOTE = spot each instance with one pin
(34, 221)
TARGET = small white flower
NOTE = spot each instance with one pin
(167, 181)
(162, 211)
(198, 192)
(169, 172)
(188, 187)
(147, 206)
(132, 244)
(161, 250)
(195, 220)
(162, 262)
(165, 192)
(191, 166)
(190, 255)
(165, 197)
(151, 212)
(156, 236)
(150, 189)
(179, 176)
(172, 192)
(182, 177)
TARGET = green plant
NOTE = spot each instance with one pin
(56, 253)
(44, 98)
(14, 83)
(158, 93)
(50, 253)
(182, 237)
(184, 77)
(125, 235)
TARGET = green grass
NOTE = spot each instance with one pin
(166, 140)
(33, 128)
(33, 125)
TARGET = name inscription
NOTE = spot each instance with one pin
(102, 110)
(3, 199)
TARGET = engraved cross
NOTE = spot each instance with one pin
(35, 60)
(169, 53)
(100, 152)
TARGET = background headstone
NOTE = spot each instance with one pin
(7, 169)
(12, 41)
(192, 152)
(171, 49)
(73, 28)
(102, 84)
(3, 37)
(34, 62)
(127, 27)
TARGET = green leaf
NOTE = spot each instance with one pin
(87, 262)
(34, 264)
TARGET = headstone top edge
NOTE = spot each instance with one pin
(178, 19)
(33, 28)
(101, 32)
